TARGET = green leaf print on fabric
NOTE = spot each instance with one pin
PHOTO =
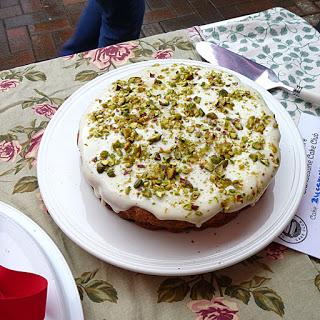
(239, 293)
(172, 290)
(264, 297)
(43, 104)
(206, 289)
(86, 75)
(202, 289)
(269, 300)
(97, 290)
(184, 45)
(26, 184)
(20, 73)
(35, 76)
(100, 291)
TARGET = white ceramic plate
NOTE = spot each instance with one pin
(26, 247)
(73, 206)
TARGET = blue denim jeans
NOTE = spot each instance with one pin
(105, 22)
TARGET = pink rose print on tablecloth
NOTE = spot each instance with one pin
(163, 54)
(8, 84)
(218, 308)
(9, 150)
(118, 54)
(45, 109)
(274, 251)
(32, 151)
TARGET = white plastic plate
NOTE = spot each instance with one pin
(26, 247)
(74, 207)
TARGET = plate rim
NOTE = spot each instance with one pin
(55, 259)
(156, 270)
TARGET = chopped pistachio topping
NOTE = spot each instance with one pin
(172, 125)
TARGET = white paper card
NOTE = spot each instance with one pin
(303, 232)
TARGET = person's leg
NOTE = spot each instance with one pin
(121, 20)
(86, 36)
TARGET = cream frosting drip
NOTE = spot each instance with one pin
(239, 143)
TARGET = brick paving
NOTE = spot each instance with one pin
(34, 30)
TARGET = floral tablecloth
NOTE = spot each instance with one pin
(275, 283)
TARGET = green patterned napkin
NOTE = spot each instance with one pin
(281, 41)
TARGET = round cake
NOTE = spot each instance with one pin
(179, 146)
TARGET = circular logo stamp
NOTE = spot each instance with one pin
(295, 232)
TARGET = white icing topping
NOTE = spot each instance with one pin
(243, 180)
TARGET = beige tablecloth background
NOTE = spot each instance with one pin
(276, 283)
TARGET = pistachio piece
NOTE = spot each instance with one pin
(111, 173)
(127, 190)
(137, 151)
(147, 193)
(190, 129)
(219, 170)
(197, 99)
(225, 163)
(164, 102)
(250, 122)
(171, 172)
(238, 125)
(213, 178)
(127, 145)
(209, 166)
(244, 139)
(177, 154)
(223, 93)
(138, 183)
(260, 128)
(273, 148)
(104, 154)
(186, 169)
(212, 115)
(257, 145)
(155, 138)
(233, 135)
(215, 159)
(121, 101)
(159, 194)
(117, 145)
(200, 113)
(119, 152)
(265, 162)
(126, 132)
(195, 194)
(254, 157)
(100, 167)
